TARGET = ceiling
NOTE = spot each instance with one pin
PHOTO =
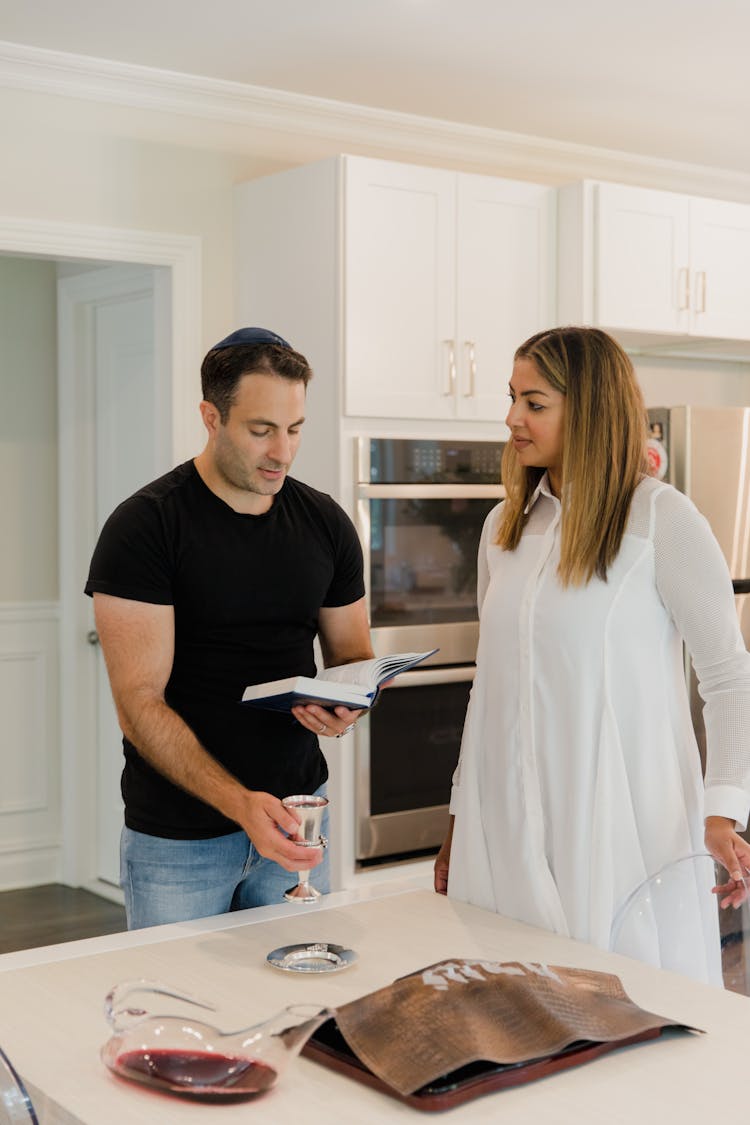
(661, 78)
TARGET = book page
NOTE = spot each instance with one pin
(370, 673)
(362, 672)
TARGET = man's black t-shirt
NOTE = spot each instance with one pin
(246, 592)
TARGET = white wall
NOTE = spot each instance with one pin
(30, 784)
(28, 430)
(673, 382)
(103, 165)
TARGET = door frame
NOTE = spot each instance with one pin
(181, 255)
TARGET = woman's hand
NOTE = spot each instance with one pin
(730, 850)
(442, 862)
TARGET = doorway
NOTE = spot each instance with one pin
(154, 279)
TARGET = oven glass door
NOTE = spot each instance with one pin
(423, 559)
(406, 758)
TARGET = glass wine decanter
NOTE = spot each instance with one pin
(183, 1055)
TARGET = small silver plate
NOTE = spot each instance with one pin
(311, 957)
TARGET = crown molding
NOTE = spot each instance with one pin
(349, 126)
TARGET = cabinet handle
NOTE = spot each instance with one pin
(451, 345)
(700, 291)
(472, 369)
(683, 286)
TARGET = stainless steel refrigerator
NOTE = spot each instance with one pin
(705, 452)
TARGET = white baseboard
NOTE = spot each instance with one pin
(30, 866)
(105, 890)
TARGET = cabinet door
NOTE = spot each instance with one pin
(505, 288)
(641, 259)
(720, 261)
(399, 290)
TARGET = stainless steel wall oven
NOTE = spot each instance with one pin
(420, 507)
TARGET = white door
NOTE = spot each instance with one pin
(127, 456)
(641, 250)
(399, 290)
(120, 327)
(504, 288)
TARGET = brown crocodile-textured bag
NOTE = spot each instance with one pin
(460, 1028)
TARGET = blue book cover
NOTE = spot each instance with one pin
(355, 685)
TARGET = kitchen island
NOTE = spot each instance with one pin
(52, 1024)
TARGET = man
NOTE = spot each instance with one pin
(219, 575)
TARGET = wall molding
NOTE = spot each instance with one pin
(30, 814)
(30, 862)
(29, 844)
(61, 74)
(29, 611)
(33, 661)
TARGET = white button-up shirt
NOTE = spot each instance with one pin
(579, 773)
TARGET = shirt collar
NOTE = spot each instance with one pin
(542, 489)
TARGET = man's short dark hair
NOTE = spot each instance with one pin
(224, 366)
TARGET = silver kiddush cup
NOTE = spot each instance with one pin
(310, 810)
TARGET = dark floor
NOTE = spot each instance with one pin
(46, 915)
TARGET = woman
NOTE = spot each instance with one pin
(579, 774)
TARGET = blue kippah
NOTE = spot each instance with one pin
(251, 336)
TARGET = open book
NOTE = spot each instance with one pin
(349, 685)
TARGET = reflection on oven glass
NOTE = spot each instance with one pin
(423, 559)
(415, 737)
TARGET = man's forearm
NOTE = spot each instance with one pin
(168, 744)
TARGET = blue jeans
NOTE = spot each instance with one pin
(177, 880)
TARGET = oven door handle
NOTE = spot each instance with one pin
(421, 677)
(431, 491)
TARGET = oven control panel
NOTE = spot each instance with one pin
(426, 461)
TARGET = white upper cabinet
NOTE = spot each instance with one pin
(399, 289)
(720, 268)
(653, 262)
(505, 289)
(414, 284)
(445, 275)
(642, 254)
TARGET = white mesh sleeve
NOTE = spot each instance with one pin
(694, 583)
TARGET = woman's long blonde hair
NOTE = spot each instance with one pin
(604, 449)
